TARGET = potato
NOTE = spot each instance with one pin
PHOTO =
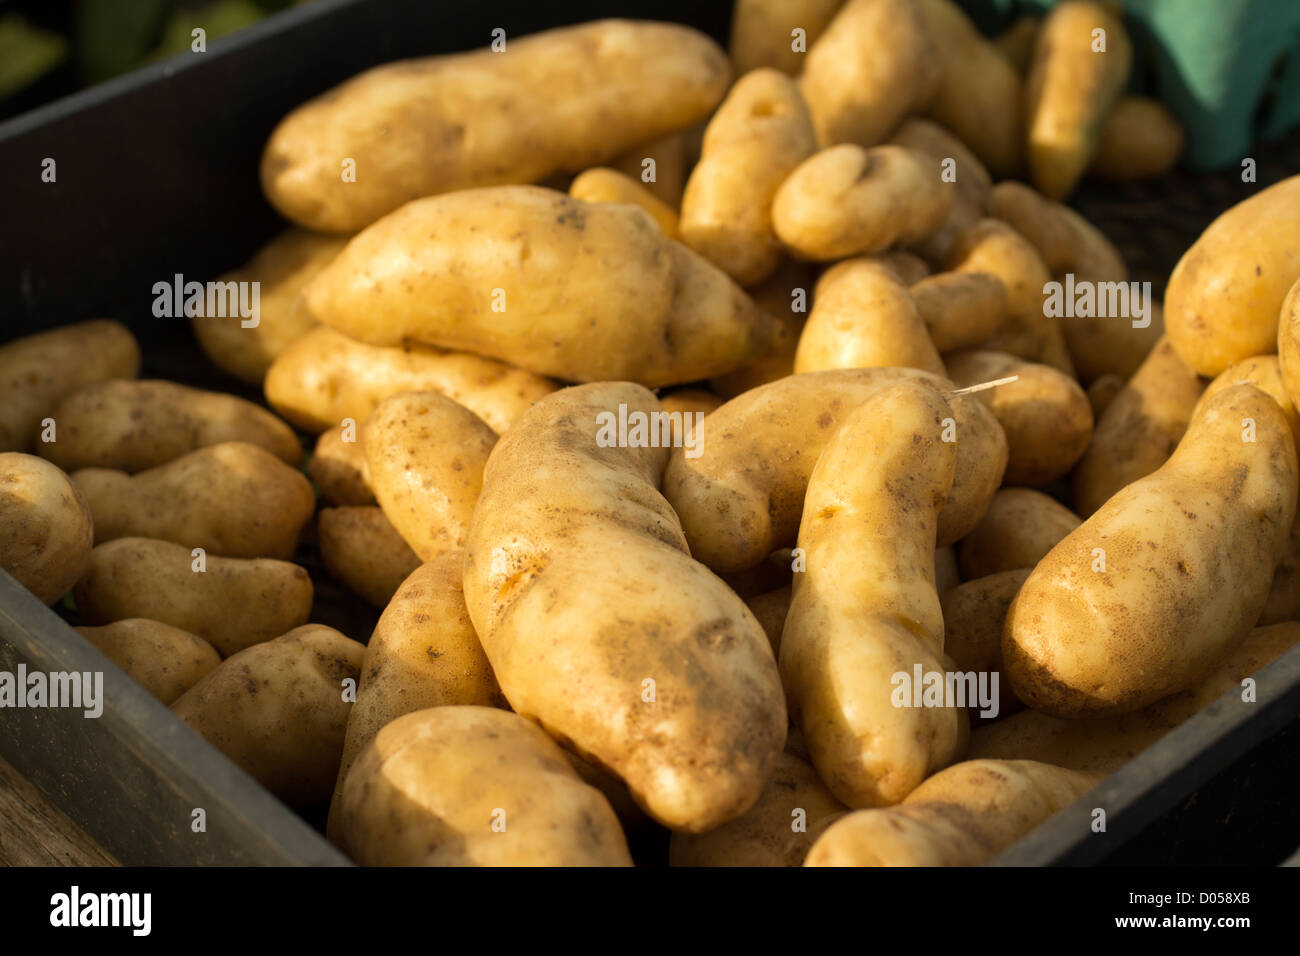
(362, 549)
(1288, 343)
(908, 266)
(993, 248)
(1019, 528)
(326, 377)
(770, 610)
(769, 575)
(423, 653)
(743, 497)
(600, 184)
(277, 709)
(1147, 595)
(763, 32)
(659, 164)
(784, 296)
(759, 134)
(963, 816)
(601, 627)
(863, 317)
(1104, 390)
(866, 610)
(233, 499)
(979, 96)
(163, 659)
(874, 64)
(689, 401)
(1104, 744)
(1139, 139)
(946, 575)
(1139, 430)
(473, 786)
(425, 456)
(1283, 602)
(561, 100)
(133, 426)
(1045, 414)
(973, 617)
(38, 370)
(1075, 78)
(848, 201)
(231, 603)
(46, 531)
(1017, 42)
(1225, 295)
(338, 467)
(775, 831)
(551, 284)
(281, 269)
(971, 177)
(961, 310)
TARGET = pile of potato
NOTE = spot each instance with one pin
(906, 463)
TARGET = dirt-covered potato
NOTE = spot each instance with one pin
(233, 499)
(278, 710)
(473, 786)
(165, 660)
(46, 530)
(1020, 526)
(338, 466)
(601, 184)
(361, 548)
(231, 603)
(136, 425)
(39, 370)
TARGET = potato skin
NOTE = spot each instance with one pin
(742, 498)
(233, 499)
(600, 184)
(1226, 293)
(961, 310)
(866, 609)
(761, 32)
(584, 291)
(560, 100)
(233, 604)
(429, 788)
(602, 594)
(1102, 392)
(46, 530)
(39, 370)
(1139, 139)
(338, 466)
(325, 377)
(362, 549)
(1189, 552)
(282, 268)
(165, 660)
(689, 401)
(1019, 528)
(973, 616)
(277, 710)
(1288, 343)
(136, 425)
(963, 816)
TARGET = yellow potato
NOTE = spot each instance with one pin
(690, 401)
(326, 377)
(163, 659)
(742, 498)
(1139, 430)
(1283, 602)
(1017, 42)
(908, 266)
(874, 64)
(659, 164)
(338, 467)
(1226, 293)
(1019, 528)
(601, 627)
(46, 531)
(425, 456)
(39, 370)
(278, 710)
(231, 603)
(473, 786)
(866, 610)
(423, 653)
(964, 816)
(1045, 414)
(600, 184)
(864, 317)
(281, 268)
(1147, 595)
(784, 297)
(973, 616)
(1076, 76)
(848, 201)
(775, 831)
(561, 100)
(1066, 241)
(231, 499)
(979, 96)
(1104, 390)
(1139, 139)
(1288, 343)
(962, 310)
(133, 426)
(770, 610)
(551, 284)
(362, 549)
(763, 32)
(1104, 744)
(759, 134)
(946, 574)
